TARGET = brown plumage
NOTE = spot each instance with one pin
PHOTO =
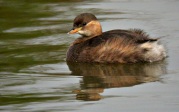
(115, 46)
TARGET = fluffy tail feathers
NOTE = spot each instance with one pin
(153, 51)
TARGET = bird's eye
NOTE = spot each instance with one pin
(84, 23)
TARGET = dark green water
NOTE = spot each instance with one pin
(35, 77)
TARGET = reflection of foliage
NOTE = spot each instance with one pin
(19, 58)
(25, 20)
(20, 99)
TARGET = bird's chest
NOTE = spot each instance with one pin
(79, 53)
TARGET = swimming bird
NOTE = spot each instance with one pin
(114, 46)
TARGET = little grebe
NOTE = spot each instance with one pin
(115, 46)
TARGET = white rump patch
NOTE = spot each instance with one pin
(154, 51)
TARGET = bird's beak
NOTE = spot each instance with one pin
(73, 31)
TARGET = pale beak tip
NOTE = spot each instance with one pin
(73, 31)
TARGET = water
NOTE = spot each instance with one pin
(35, 77)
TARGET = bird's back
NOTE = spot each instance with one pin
(115, 46)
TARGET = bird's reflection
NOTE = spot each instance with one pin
(97, 77)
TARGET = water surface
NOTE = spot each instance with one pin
(35, 77)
